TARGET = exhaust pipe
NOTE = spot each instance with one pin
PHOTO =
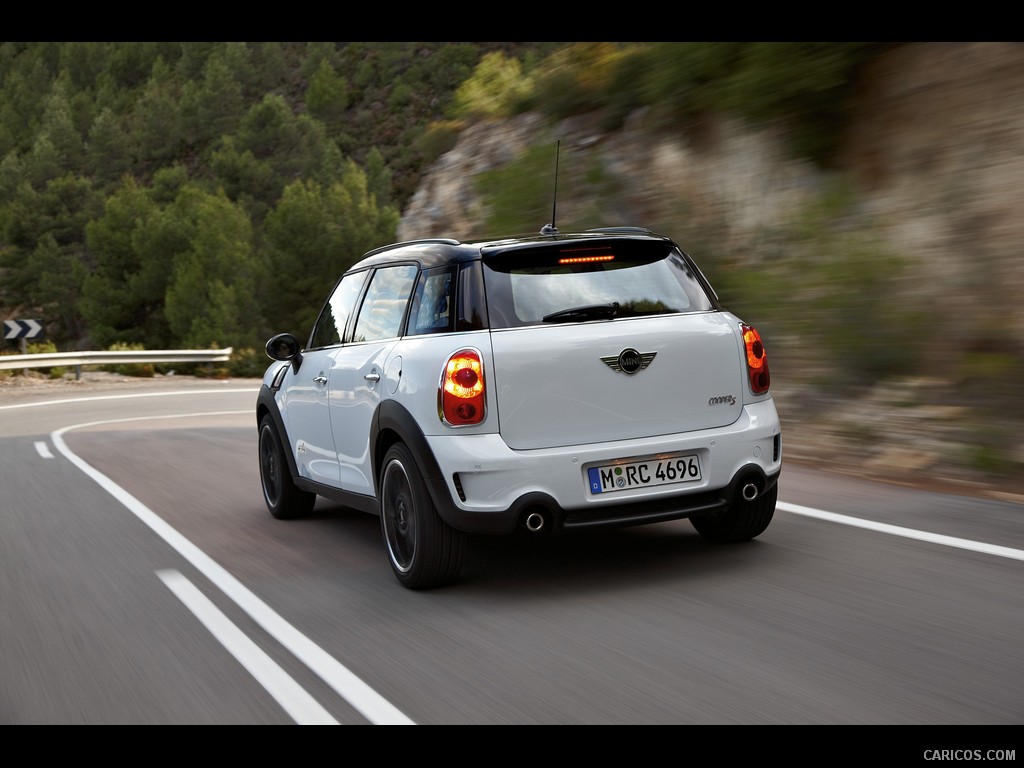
(534, 522)
(750, 491)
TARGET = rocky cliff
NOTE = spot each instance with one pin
(935, 154)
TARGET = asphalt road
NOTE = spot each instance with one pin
(144, 582)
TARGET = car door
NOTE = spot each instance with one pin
(356, 377)
(306, 398)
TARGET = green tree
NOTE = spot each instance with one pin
(59, 127)
(495, 89)
(109, 150)
(84, 62)
(132, 64)
(266, 68)
(211, 298)
(291, 146)
(327, 96)
(44, 162)
(43, 262)
(156, 124)
(315, 54)
(59, 271)
(378, 177)
(112, 302)
(683, 75)
(12, 172)
(248, 181)
(22, 106)
(577, 78)
(213, 106)
(313, 235)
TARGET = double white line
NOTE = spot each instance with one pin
(285, 690)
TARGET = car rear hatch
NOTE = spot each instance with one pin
(629, 346)
(565, 385)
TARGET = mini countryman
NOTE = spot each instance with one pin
(543, 384)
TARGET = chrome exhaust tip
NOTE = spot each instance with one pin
(750, 491)
(534, 522)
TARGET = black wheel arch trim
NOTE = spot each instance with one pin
(266, 405)
(392, 417)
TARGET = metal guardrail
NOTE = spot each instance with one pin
(78, 359)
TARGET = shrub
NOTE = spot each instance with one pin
(45, 348)
(248, 363)
(141, 370)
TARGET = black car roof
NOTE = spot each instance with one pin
(434, 252)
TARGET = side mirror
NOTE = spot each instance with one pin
(284, 346)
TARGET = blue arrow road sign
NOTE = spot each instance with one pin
(21, 329)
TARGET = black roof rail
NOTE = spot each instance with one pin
(627, 230)
(422, 241)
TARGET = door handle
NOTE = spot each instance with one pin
(372, 376)
(320, 379)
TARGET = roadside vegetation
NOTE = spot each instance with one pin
(207, 194)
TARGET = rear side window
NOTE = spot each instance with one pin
(432, 305)
(590, 281)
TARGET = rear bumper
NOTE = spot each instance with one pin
(485, 487)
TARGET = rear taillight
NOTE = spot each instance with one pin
(757, 361)
(461, 397)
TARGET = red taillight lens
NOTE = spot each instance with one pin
(757, 361)
(462, 388)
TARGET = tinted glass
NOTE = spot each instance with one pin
(330, 328)
(603, 281)
(431, 310)
(380, 316)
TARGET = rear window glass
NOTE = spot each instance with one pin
(593, 282)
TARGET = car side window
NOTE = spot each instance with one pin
(431, 310)
(380, 316)
(330, 327)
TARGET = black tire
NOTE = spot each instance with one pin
(742, 521)
(284, 500)
(424, 551)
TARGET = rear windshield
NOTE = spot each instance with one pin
(574, 283)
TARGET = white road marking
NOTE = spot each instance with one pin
(125, 397)
(367, 701)
(302, 707)
(362, 697)
(909, 533)
(43, 449)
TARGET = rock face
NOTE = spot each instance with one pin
(936, 149)
(654, 171)
(446, 203)
(936, 155)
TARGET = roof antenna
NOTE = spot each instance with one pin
(551, 229)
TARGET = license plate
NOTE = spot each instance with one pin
(644, 474)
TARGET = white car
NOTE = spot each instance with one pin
(545, 384)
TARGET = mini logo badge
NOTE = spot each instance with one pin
(629, 361)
